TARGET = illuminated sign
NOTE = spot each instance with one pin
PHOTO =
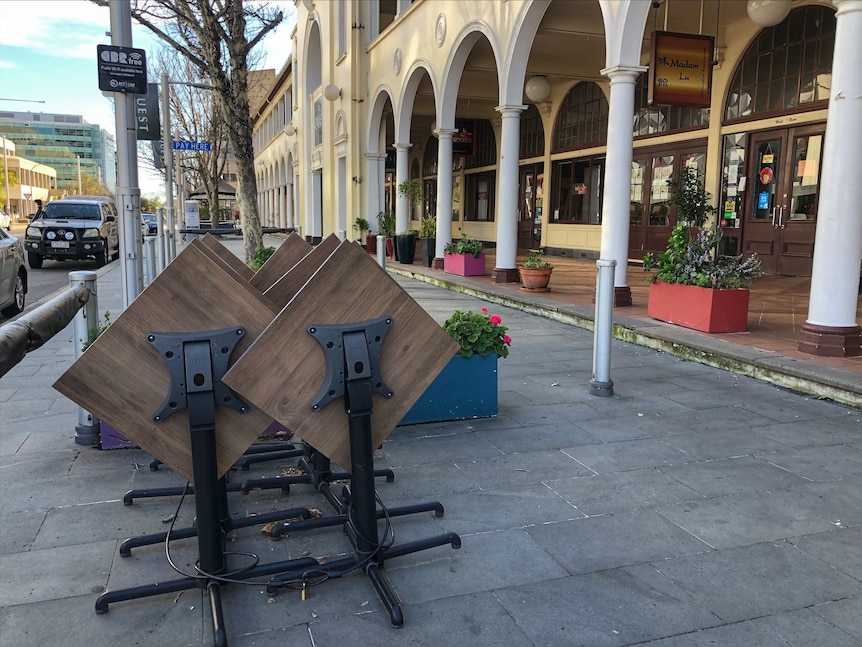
(680, 70)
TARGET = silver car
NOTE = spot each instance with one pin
(13, 275)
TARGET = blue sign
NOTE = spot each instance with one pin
(763, 200)
(192, 146)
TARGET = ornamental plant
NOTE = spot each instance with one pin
(535, 261)
(692, 257)
(464, 245)
(478, 334)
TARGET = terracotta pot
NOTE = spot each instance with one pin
(535, 279)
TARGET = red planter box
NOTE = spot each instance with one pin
(464, 264)
(704, 309)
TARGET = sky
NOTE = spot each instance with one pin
(48, 61)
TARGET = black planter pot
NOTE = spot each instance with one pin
(405, 248)
(429, 247)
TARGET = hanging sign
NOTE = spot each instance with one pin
(464, 139)
(680, 69)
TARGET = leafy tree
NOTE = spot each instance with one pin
(13, 180)
(217, 37)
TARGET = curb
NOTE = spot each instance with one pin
(794, 374)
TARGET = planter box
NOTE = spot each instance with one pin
(465, 388)
(464, 264)
(704, 309)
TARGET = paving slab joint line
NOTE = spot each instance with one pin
(837, 389)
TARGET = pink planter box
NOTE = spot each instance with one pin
(703, 309)
(464, 264)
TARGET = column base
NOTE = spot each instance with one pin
(622, 296)
(830, 341)
(437, 263)
(502, 275)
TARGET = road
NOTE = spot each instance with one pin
(53, 276)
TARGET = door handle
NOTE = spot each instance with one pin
(781, 217)
(773, 215)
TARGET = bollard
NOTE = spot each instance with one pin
(85, 327)
(342, 235)
(150, 257)
(381, 251)
(162, 239)
(601, 384)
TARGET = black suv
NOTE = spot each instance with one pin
(74, 228)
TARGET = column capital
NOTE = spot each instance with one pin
(375, 155)
(845, 6)
(509, 110)
(402, 147)
(444, 133)
(624, 73)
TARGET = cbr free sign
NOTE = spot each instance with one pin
(122, 69)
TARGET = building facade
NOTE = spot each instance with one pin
(31, 181)
(538, 123)
(66, 143)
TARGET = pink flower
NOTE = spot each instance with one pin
(507, 339)
(494, 319)
(484, 309)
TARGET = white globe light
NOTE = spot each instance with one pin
(766, 13)
(331, 92)
(537, 89)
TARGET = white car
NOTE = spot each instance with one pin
(5, 220)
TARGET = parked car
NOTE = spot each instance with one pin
(5, 221)
(149, 224)
(78, 227)
(13, 275)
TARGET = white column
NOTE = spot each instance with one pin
(831, 328)
(402, 217)
(282, 206)
(506, 270)
(618, 176)
(290, 202)
(373, 198)
(444, 193)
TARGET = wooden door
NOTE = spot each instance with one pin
(530, 207)
(782, 200)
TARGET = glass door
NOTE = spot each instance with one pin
(784, 177)
(530, 208)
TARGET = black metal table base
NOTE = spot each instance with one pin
(351, 363)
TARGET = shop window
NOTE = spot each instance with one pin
(479, 196)
(532, 134)
(485, 151)
(651, 120)
(578, 196)
(787, 66)
(583, 118)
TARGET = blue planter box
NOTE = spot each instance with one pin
(465, 388)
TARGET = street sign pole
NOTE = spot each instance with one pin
(128, 191)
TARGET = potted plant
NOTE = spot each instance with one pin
(483, 340)
(693, 285)
(405, 247)
(370, 241)
(428, 239)
(386, 227)
(535, 273)
(261, 256)
(412, 190)
(464, 257)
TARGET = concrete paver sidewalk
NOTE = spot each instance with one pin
(695, 507)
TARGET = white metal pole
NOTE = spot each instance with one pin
(85, 327)
(602, 384)
(167, 144)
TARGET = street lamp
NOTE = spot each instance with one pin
(167, 144)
